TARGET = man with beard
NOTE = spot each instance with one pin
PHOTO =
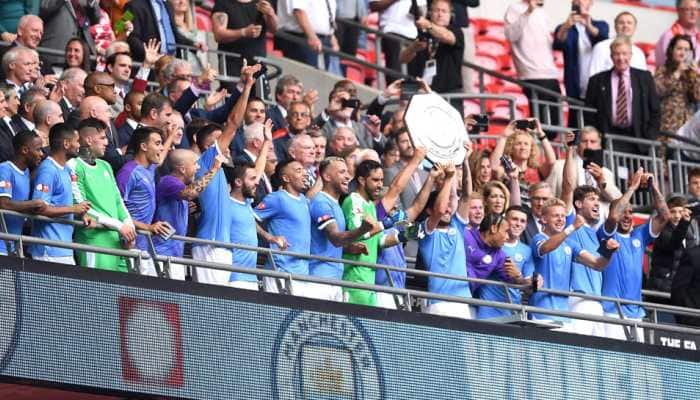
(95, 183)
(328, 233)
(623, 277)
(137, 185)
(53, 184)
(286, 214)
(14, 183)
(174, 192)
(255, 112)
(243, 179)
(521, 256)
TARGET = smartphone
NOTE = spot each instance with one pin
(507, 164)
(646, 186)
(350, 103)
(576, 9)
(592, 156)
(525, 124)
(409, 88)
(482, 123)
(577, 138)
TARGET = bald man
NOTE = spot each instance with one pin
(47, 113)
(97, 107)
(173, 194)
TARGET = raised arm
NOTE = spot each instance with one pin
(549, 156)
(569, 180)
(401, 180)
(235, 118)
(443, 199)
(261, 161)
(617, 207)
(192, 191)
(495, 157)
(421, 199)
(663, 214)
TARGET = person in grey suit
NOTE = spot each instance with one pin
(63, 21)
(418, 177)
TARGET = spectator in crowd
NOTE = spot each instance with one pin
(689, 131)
(288, 89)
(29, 33)
(693, 186)
(343, 138)
(391, 153)
(625, 98)
(339, 114)
(496, 198)
(308, 21)
(6, 131)
(553, 255)
(156, 111)
(95, 184)
(576, 38)
(185, 24)
(623, 276)
(298, 120)
(348, 35)
(397, 17)
(240, 27)
(286, 214)
(71, 86)
(15, 188)
(679, 234)
(685, 291)
(216, 197)
(119, 67)
(320, 142)
(593, 174)
(243, 178)
(301, 149)
(46, 114)
(406, 153)
(101, 32)
(686, 24)
(254, 143)
(443, 251)
(520, 147)
(439, 50)
(153, 20)
(519, 254)
(255, 112)
(472, 205)
(97, 107)
(328, 228)
(53, 184)
(625, 25)
(63, 21)
(11, 99)
(77, 55)
(480, 169)
(17, 65)
(137, 184)
(24, 119)
(132, 108)
(173, 194)
(528, 30)
(540, 193)
(12, 12)
(678, 84)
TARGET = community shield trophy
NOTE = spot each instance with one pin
(438, 127)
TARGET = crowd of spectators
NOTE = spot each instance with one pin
(89, 141)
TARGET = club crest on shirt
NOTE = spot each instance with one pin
(325, 356)
(324, 218)
(487, 259)
(261, 206)
(42, 188)
(567, 250)
(518, 257)
(637, 243)
(5, 184)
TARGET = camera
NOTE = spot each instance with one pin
(409, 87)
(350, 103)
(592, 156)
(575, 9)
(482, 123)
(526, 124)
(577, 138)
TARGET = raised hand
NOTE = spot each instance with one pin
(248, 72)
(267, 130)
(152, 50)
(215, 98)
(207, 75)
(373, 124)
(265, 8)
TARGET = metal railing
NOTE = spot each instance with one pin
(520, 312)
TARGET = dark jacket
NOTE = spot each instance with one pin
(146, 27)
(572, 73)
(667, 253)
(7, 151)
(685, 291)
(646, 111)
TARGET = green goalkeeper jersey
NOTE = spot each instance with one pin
(355, 208)
(96, 184)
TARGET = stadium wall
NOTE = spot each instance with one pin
(116, 333)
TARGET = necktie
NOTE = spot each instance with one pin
(169, 39)
(621, 102)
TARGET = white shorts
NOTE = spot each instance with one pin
(244, 285)
(147, 267)
(322, 291)
(386, 300)
(178, 271)
(299, 288)
(615, 331)
(582, 326)
(212, 254)
(449, 309)
(67, 260)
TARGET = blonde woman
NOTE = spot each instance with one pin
(480, 168)
(184, 20)
(496, 198)
(520, 146)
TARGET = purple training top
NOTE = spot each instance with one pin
(483, 262)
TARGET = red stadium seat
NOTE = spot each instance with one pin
(490, 46)
(203, 19)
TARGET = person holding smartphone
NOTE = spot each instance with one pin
(576, 37)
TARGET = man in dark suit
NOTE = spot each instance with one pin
(685, 291)
(71, 84)
(153, 24)
(24, 119)
(255, 141)
(6, 133)
(287, 90)
(540, 193)
(625, 98)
